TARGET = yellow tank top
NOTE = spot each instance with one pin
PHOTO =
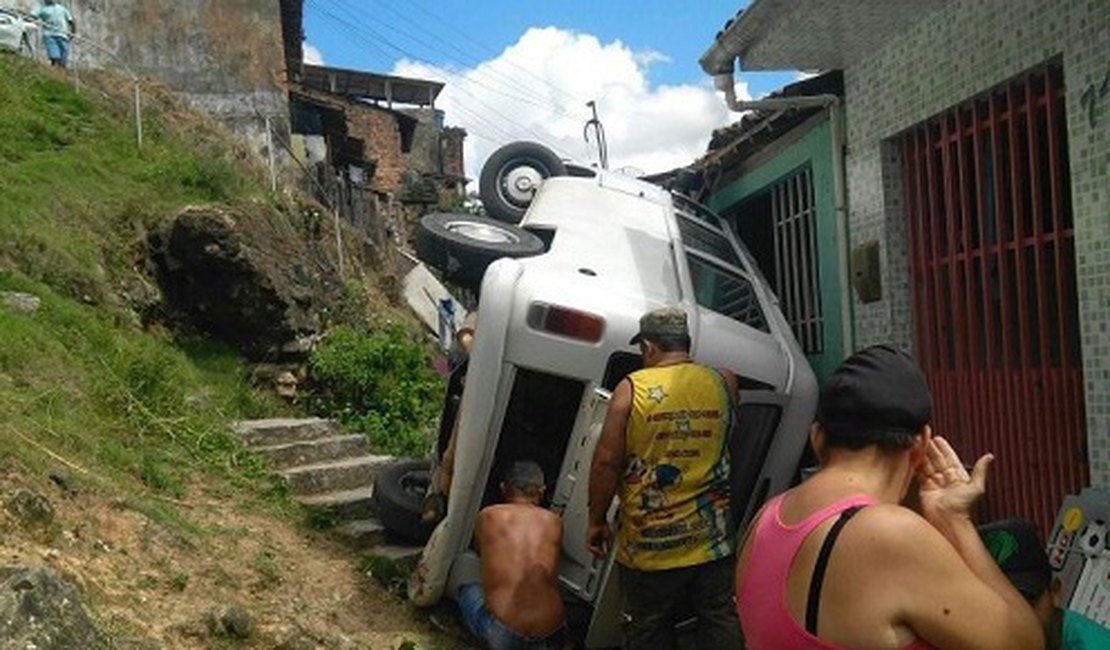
(674, 495)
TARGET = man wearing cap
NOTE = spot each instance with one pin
(837, 563)
(664, 445)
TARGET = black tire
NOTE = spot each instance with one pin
(461, 246)
(399, 491)
(510, 177)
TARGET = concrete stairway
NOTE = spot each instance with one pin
(329, 471)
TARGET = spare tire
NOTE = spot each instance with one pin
(461, 246)
(399, 490)
(511, 175)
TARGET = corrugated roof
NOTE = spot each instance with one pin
(367, 85)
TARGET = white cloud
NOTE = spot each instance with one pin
(536, 89)
(313, 55)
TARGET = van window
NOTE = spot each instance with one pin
(726, 292)
(703, 238)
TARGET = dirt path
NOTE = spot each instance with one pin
(154, 584)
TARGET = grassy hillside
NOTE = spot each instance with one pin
(80, 380)
(160, 515)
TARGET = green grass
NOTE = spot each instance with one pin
(78, 196)
(82, 384)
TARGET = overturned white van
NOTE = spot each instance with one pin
(572, 259)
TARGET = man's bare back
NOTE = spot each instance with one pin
(519, 547)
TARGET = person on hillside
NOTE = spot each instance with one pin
(837, 563)
(58, 27)
(665, 444)
(517, 605)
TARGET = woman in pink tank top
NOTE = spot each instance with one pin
(837, 563)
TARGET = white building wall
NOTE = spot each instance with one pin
(950, 56)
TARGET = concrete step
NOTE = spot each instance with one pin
(362, 534)
(280, 431)
(343, 504)
(310, 452)
(335, 475)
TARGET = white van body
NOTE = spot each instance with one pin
(617, 247)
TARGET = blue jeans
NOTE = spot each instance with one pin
(57, 49)
(472, 606)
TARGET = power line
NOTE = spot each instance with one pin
(537, 99)
(482, 46)
(351, 25)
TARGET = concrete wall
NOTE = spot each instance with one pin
(225, 56)
(950, 56)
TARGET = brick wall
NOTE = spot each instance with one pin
(954, 54)
(378, 129)
(451, 143)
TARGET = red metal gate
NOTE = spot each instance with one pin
(993, 275)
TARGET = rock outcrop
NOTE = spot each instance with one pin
(38, 609)
(245, 281)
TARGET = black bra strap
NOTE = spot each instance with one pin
(818, 579)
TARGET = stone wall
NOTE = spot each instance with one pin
(950, 56)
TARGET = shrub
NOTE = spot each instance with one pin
(379, 383)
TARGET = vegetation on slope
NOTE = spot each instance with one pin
(80, 379)
(160, 512)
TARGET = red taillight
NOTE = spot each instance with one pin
(566, 322)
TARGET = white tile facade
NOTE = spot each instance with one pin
(954, 54)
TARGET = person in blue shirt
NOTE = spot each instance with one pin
(58, 27)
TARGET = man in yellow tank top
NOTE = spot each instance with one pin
(664, 449)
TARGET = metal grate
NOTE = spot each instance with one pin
(796, 278)
(993, 270)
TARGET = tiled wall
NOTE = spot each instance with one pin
(949, 56)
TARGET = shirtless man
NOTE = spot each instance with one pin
(517, 606)
(837, 563)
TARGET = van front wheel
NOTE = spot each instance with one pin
(461, 246)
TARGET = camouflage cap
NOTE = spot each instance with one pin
(668, 321)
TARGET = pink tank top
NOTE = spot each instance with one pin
(761, 602)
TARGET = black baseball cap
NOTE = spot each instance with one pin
(877, 391)
(1017, 549)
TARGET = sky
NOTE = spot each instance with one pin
(524, 70)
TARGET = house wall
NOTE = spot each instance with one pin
(225, 56)
(814, 149)
(954, 54)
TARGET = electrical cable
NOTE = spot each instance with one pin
(352, 26)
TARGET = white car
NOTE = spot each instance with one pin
(559, 296)
(17, 34)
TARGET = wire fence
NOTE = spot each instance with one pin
(344, 197)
